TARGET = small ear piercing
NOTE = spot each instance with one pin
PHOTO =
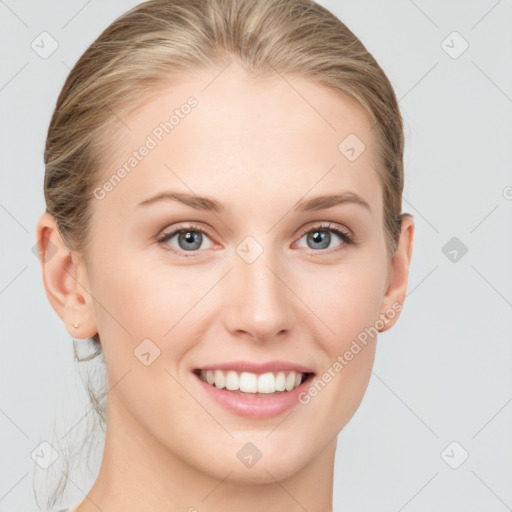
(76, 325)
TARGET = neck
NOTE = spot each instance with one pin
(139, 473)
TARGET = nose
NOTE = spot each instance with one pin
(260, 304)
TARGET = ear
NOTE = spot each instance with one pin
(398, 275)
(65, 280)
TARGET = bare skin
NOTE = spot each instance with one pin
(257, 147)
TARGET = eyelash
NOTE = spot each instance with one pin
(345, 236)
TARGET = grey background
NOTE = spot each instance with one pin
(442, 374)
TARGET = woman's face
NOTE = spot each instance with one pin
(258, 282)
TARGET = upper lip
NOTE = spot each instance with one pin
(258, 368)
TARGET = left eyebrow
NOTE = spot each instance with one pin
(328, 201)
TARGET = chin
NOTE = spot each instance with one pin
(275, 463)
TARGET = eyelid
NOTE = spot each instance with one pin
(171, 231)
(328, 226)
(343, 232)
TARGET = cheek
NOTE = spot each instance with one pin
(349, 304)
(137, 302)
(343, 386)
(345, 299)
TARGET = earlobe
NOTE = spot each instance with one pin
(60, 269)
(396, 291)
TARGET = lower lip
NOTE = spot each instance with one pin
(254, 407)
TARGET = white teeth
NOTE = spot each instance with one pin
(219, 379)
(210, 378)
(266, 383)
(232, 381)
(281, 381)
(248, 382)
(290, 381)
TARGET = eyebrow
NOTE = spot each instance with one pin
(328, 201)
(192, 200)
(210, 204)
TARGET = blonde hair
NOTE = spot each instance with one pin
(157, 41)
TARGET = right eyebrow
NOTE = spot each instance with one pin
(192, 200)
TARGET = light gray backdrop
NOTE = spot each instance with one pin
(434, 430)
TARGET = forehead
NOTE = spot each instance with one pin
(246, 133)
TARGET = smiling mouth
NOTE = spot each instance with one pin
(253, 384)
